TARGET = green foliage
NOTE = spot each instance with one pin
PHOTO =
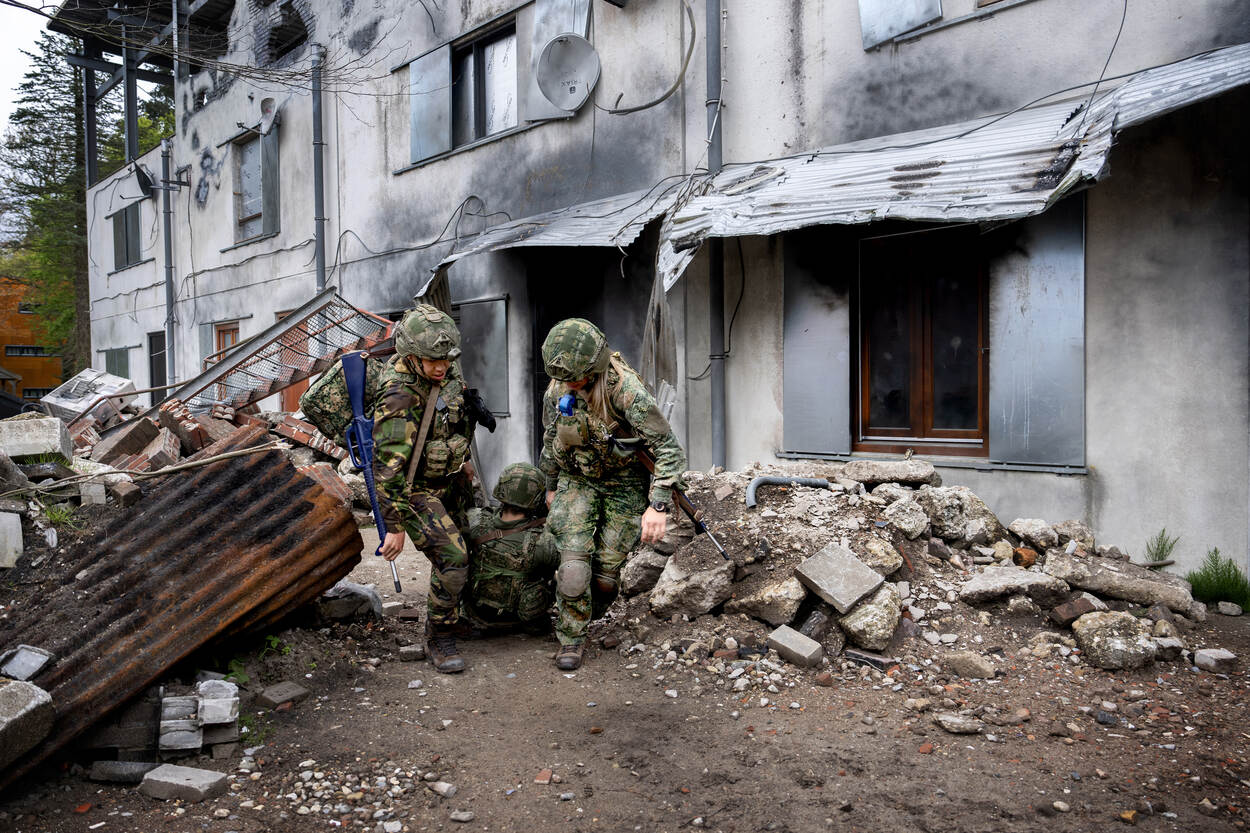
(1159, 548)
(62, 514)
(236, 672)
(1219, 580)
(274, 645)
(256, 731)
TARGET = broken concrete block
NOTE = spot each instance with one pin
(1168, 648)
(212, 687)
(25, 436)
(411, 653)
(1120, 580)
(279, 693)
(222, 733)
(23, 662)
(127, 439)
(996, 582)
(1114, 640)
(775, 602)
(11, 547)
(642, 571)
(125, 493)
(794, 647)
(1228, 609)
(838, 577)
(871, 623)
(1217, 660)
(684, 590)
(880, 556)
(179, 708)
(968, 664)
(120, 772)
(218, 710)
(355, 599)
(908, 516)
(92, 494)
(26, 716)
(180, 734)
(225, 751)
(182, 782)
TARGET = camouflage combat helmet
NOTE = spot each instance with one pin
(574, 349)
(521, 484)
(427, 333)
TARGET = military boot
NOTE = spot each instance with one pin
(440, 645)
(570, 656)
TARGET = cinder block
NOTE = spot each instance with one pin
(11, 547)
(182, 782)
(218, 710)
(794, 647)
(223, 733)
(279, 693)
(26, 436)
(120, 772)
(183, 707)
(838, 577)
(26, 716)
(23, 662)
(180, 734)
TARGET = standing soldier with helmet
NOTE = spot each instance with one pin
(422, 434)
(602, 498)
(514, 557)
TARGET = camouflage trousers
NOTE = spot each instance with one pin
(603, 518)
(440, 516)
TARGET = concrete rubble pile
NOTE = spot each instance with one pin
(165, 570)
(888, 574)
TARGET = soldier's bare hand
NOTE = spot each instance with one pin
(551, 495)
(654, 525)
(392, 545)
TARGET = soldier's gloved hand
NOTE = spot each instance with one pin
(654, 525)
(392, 546)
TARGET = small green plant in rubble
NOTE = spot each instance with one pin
(274, 645)
(61, 514)
(1219, 579)
(1159, 548)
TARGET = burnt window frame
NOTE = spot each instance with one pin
(917, 289)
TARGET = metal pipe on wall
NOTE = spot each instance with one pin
(167, 217)
(716, 251)
(319, 207)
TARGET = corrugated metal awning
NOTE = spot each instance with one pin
(613, 221)
(996, 168)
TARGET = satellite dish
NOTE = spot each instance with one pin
(567, 71)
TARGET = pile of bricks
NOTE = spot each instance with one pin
(307, 434)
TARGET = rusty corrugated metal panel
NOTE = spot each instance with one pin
(987, 169)
(207, 553)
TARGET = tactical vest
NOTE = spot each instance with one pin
(503, 561)
(446, 445)
(583, 441)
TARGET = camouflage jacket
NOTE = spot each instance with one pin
(401, 399)
(502, 563)
(581, 444)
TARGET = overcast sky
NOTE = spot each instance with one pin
(18, 30)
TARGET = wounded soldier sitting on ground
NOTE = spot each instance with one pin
(514, 559)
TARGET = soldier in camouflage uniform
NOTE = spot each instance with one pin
(602, 499)
(424, 492)
(514, 558)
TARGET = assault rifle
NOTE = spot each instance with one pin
(636, 447)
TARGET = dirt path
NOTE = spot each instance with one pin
(637, 741)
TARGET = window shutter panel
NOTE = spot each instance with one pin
(133, 255)
(1037, 342)
(429, 96)
(207, 344)
(270, 185)
(119, 240)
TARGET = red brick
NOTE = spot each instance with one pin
(327, 478)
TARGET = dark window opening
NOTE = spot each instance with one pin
(156, 366)
(117, 362)
(923, 342)
(206, 35)
(25, 350)
(126, 237)
(287, 34)
(26, 308)
(35, 393)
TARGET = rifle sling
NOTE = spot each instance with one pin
(431, 402)
(496, 534)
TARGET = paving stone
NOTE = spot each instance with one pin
(794, 647)
(11, 545)
(26, 436)
(1216, 659)
(120, 772)
(838, 577)
(23, 662)
(279, 693)
(169, 781)
(26, 716)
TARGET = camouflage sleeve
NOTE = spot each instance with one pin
(546, 460)
(643, 415)
(394, 435)
(546, 555)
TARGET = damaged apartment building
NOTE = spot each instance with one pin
(1007, 235)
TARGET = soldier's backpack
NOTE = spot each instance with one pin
(325, 403)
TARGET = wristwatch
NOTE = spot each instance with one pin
(661, 506)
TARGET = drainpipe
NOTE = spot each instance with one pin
(319, 203)
(167, 216)
(716, 247)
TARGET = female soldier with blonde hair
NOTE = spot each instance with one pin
(602, 499)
